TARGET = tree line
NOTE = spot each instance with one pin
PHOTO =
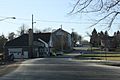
(24, 30)
(103, 40)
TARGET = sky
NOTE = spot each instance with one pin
(47, 13)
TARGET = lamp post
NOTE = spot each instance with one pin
(3, 20)
(7, 18)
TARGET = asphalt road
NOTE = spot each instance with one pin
(62, 69)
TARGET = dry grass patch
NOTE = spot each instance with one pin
(112, 57)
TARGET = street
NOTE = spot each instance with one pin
(62, 69)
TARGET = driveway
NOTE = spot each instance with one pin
(62, 69)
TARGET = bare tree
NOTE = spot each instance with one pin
(36, 30)
(11, 36)
(80, 39)
(22, 30)
(47, 29)
(75, 39)
(107, 9)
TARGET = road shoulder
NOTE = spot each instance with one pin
(8, 68)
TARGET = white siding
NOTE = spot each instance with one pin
(17, 52)
(25, 54)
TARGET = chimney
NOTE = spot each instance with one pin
(30, 37)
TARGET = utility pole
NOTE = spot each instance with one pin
(72, 29)
(32, 22)
(32, 36)
(72, 37)
(31, 39)
(61, 26)
(61, 40)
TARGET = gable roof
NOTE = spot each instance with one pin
(19, 41)
(23, 39)
(61, 30)
(43, 36)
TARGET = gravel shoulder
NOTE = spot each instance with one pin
(7, 68)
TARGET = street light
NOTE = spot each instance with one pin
(8, 18)
(3, 20)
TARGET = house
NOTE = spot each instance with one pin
(29, 45)
(61, 40)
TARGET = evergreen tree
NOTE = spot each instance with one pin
(3, 40)
(94, 40)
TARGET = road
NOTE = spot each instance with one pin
(62, 69)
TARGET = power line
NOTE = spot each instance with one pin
(50, 21)
(24, 19)
(55, 21)
(58, 21)
(12, 22)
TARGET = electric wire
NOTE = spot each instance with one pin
(54, 21)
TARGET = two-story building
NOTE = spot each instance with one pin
(62, 40)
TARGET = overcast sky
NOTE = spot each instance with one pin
(47, 13)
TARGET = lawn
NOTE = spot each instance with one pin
(101, 55)
(113, 57)
(110, 58)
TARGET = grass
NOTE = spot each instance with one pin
(88, 48)
(100, 55)
(109, 58)
(113, 57)
(94, 49)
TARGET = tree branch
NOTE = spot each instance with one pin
(113, 18)
(85, 6)
(108, 8)
(112, 5)
(103, 18)
(75, 6)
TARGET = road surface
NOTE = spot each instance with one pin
(62, 69)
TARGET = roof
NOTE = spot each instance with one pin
(23, 39)
(43, 36)
(19, 41)
(60, 29)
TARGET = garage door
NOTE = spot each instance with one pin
(17, 52)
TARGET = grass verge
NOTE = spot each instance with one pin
(112, 57)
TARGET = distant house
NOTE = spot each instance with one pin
(61, 40)
(29, 45)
